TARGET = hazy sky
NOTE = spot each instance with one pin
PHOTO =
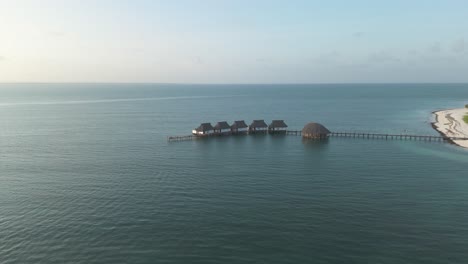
(237, 41)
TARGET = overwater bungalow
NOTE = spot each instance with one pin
(239, 127)
(258, 126)
(222, 128)
(315, 131)
(277, 127)
(203, 130)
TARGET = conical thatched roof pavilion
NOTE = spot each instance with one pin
(315, 130)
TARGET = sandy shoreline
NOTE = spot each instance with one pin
(450, 123)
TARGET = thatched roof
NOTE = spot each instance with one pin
(239, 124)
(205, 127)
(258, 124)
(315, 129)
(278, 124)
(222, 125)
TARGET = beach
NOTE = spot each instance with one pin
(450, 123)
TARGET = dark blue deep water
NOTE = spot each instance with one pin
(87, 176)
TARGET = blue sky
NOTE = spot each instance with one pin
(238, 41)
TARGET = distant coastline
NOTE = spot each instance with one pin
(450, 123)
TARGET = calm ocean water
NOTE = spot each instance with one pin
(87, 176)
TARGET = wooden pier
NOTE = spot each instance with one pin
(384, 136)
(395, 136)
(193, 137)
(183, 138)
(294, 132)
(347, 135)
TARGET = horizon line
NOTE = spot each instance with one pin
(263, 83)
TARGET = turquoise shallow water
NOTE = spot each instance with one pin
(87, 176)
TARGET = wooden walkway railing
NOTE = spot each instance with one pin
(396, 136)
(348, 135)
(181, 138)
(384, 136)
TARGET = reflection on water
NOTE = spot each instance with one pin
(311, 143)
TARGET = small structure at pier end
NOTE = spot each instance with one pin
(222, 128)
(203, 130)
(315, 131)
(239, 127)
(258, 127)
(277, 127)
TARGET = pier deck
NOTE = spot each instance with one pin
(384, 136)
(347, 135)
(182, 138)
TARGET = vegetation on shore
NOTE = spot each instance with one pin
(465, 117)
